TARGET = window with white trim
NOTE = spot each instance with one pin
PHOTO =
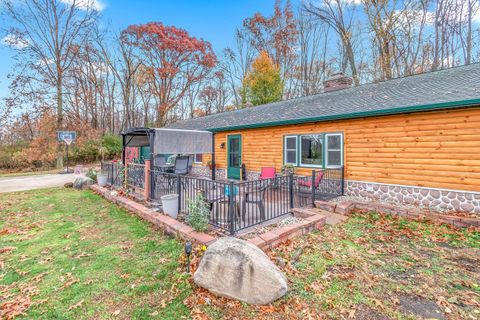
(290, 150)
(198, 158)
(319, 150)
(333, 154)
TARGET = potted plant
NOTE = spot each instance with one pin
(209, 164)
(288, 169)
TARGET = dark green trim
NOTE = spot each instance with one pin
(400, 110)
(233, 170)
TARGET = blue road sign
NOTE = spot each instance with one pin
(66, 135)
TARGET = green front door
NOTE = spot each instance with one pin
(234, 156)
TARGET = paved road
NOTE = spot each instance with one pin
(10, 184)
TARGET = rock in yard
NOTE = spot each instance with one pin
(68, 185)
(237, 269)
(82, 182)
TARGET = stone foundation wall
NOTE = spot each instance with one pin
(435, 199)
(220, 173)
(207, 173)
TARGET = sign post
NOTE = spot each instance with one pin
(68, 137)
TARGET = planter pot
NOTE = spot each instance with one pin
(102, 180)
(170, 205)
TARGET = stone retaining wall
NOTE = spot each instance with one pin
(435, 199)
(346, 207)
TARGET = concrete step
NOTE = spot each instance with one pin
(331, 218)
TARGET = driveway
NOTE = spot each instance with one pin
(10, 184)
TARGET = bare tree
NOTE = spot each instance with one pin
(235, 64)
(48, 33)
(339, 15)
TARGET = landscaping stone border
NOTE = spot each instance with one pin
(347, 207)
(264, 241)
(275, 237)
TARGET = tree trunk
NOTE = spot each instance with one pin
(59, 118)
(468, 60)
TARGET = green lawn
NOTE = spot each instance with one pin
(77, 256)
(72, 255)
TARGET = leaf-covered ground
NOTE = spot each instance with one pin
(72, 255)
(371, 267)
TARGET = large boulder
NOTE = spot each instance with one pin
(82, 182)
(237, 269)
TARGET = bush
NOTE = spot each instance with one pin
(198, 214)
(112, 145)
(92, 174)
(106, 147)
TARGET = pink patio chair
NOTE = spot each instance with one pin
(267, 173)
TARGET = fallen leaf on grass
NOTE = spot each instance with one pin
(29, 290)
(16, 307)
(7, 249)
(69, 283)
(116, 313)
(76, 305)
(351, 314)
(40, 276)
(378, 303)
(82, 255)
(22, 273)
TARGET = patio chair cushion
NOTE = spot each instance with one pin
(160, 160)
(267, 173)
(181, 165)
(308, 183)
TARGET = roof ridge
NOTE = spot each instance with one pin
(445, 85)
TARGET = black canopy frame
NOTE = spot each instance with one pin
(146, 136)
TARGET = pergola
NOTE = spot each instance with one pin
(170, 141)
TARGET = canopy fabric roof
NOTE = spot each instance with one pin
(137, 141)
(179, 141)
(168, 141)
(450, 88)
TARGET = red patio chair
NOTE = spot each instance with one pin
(308, 183)
(267, 173)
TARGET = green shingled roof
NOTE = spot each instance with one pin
(450, 88)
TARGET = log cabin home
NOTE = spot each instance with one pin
(413, 140)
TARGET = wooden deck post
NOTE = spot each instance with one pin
(146, 187)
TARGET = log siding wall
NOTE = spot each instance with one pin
(438, 149)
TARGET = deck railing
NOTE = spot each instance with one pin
(236, 206)
(136, 175)
(115, 173)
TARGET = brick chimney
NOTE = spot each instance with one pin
(337, 81)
